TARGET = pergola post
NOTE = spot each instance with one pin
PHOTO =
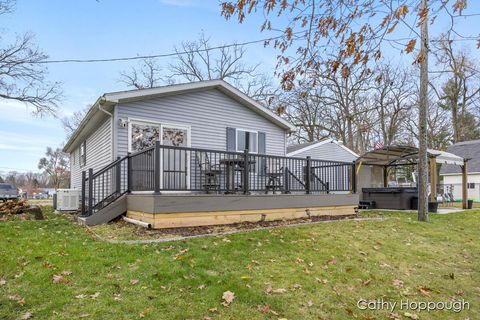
(385, 176)
(464, 184)
(433, 179)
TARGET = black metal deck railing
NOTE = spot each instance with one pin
(168, 168)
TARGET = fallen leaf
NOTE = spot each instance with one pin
(201, 287)
(309, 303)
(144, 313)
(80, 296)
(279, 290)
(424, 291)
(296, 286)
(228, 297)
(26, 316)
(394, 316)
(411, 315)
(397, 283)
(332, 261)
(134, 281)
(95, 295)
(367, 282)
(3, 282)
(58, 278)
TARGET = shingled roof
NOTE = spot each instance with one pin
(467, 149)
(294, 147)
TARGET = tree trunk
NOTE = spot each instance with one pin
(423, 126)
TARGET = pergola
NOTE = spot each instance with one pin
(401, 155)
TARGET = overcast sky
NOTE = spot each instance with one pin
(104, 29)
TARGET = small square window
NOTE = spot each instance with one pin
(471, 185)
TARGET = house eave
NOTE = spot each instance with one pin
(94, 112)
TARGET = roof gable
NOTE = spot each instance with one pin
(108, 100)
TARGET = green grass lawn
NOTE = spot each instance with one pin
(308, 272)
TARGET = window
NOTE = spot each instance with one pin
(83, 153)
(471, 185)
(143, 135)
(247, 140)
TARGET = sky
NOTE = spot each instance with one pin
(103, 29)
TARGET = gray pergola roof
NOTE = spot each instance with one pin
(405, 155)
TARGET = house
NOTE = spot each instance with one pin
(196, 149)
(325, 149)
(452, 175)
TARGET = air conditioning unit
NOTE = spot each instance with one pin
(68, 199)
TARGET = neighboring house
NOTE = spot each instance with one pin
(326, 149)
(208, 114)
(190, 154)
(452, 175)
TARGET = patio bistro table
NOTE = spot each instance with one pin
(231, 165)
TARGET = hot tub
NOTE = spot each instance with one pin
(396, 198)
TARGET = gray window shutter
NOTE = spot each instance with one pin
(262, 149)
(262, 146)
(231, 139)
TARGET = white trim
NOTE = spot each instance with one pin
(189, 144)
(459, 174)
(141, 121)
(346, 149)
(236, 139)
(161, 126)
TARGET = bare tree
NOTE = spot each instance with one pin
(199, 60)
(56, 165)
(22, 76)
(460, 92)
(147, 75)
(70, 124)
(349, 33)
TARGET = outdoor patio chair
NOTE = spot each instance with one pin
(273, 172)
(210, 172)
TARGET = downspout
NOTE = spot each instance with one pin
(102, 101)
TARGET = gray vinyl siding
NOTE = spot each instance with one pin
(99, 152)
(328, 151)
(208, 113)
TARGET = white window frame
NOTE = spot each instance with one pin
(132, 121)
(161, 125)
(236, 139)
(82, 161)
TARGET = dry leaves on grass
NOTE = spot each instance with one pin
(397, 283)
(26, 316)
(3, 282)
(133, 281)
(61, 278)
(228, 297)
(270, 290)
(144, 313)
(424, 291)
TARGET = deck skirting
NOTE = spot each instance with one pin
(188, 210)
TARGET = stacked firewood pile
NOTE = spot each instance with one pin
(20, 207)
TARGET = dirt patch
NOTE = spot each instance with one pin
(121, 230)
